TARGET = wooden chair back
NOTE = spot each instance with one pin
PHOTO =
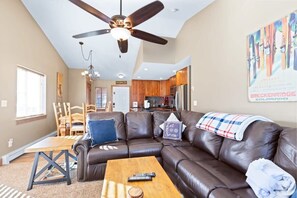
(66, 111)
(77, 119)
(91, 108)
(58, 117)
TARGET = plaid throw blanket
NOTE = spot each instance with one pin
(227, 125)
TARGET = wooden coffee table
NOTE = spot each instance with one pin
(51, 144)
(117, 172)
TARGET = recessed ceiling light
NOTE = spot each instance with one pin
(161, 78)
(174, 10)
(174, 71)
(145, 69)
(120, 75)
(138, 77)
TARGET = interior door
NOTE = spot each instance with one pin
(121, 99)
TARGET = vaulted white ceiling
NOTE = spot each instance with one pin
(60, 20)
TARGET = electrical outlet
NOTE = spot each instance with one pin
(10, 142)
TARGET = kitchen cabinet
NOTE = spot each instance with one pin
(137, 92)
(152, 87)
(165, 87)
(172, 81)
(182, 77)
(142, 88)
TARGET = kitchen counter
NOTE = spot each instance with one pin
(152, 109)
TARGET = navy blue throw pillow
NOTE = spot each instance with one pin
(102, 131)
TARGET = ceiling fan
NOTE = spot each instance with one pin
(121, 27)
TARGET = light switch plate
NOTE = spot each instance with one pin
(3, 103)
(195, 102)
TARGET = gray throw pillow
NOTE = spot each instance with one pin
(172, 130)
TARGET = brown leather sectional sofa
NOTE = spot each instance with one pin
(203, 164)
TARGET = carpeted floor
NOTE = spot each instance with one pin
(16, 177)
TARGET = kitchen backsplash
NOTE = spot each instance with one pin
(158, 101)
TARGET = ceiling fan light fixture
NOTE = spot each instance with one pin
(120, 33)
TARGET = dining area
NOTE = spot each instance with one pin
(71, 120)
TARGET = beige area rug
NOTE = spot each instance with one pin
(16, 176)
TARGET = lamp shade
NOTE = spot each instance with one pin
(120, 33)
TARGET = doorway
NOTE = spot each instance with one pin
(121, 98)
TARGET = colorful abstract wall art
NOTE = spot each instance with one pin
(272, 61)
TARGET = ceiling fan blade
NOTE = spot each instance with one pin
(123, 45)
(148, 37)
(145, 13)
(91, 10)
(93, 33)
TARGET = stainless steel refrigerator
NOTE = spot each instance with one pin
(182, 98)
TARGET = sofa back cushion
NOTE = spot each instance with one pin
(207, 141)
(139, 125)
(286, 153)
(159, 117)
(190, 119)
(259, 141)
(118, 117)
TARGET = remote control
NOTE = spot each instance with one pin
(152, 174)
(139, 178)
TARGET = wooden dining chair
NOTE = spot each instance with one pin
(91, 108)
(77, 119)
(60, 122)
(66, 104)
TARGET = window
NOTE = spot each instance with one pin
(101, 97)
(31, 93)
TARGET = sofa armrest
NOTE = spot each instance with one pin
(82, 145)
(81, 149)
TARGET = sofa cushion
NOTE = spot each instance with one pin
(102, 131)
(286, 154)
(224, 192)
(259, 141)
(139, 125)
(190, 119)
(118, 118)
(173, 142)
(144, 147)
(245, 192)
(195, 154)
(108, 151)
(208, 142)
(171, 156)
(159, 117)
(231, 177)
(198, 179)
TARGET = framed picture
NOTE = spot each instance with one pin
(59, 86)
(272, 61)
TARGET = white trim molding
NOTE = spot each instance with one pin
(16, 153)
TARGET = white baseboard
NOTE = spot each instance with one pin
(16, 153)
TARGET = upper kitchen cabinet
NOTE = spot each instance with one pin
(182, 77)
(165, 87)
(152, 88)
(172, 81)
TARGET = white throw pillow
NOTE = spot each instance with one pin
(171, 118)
